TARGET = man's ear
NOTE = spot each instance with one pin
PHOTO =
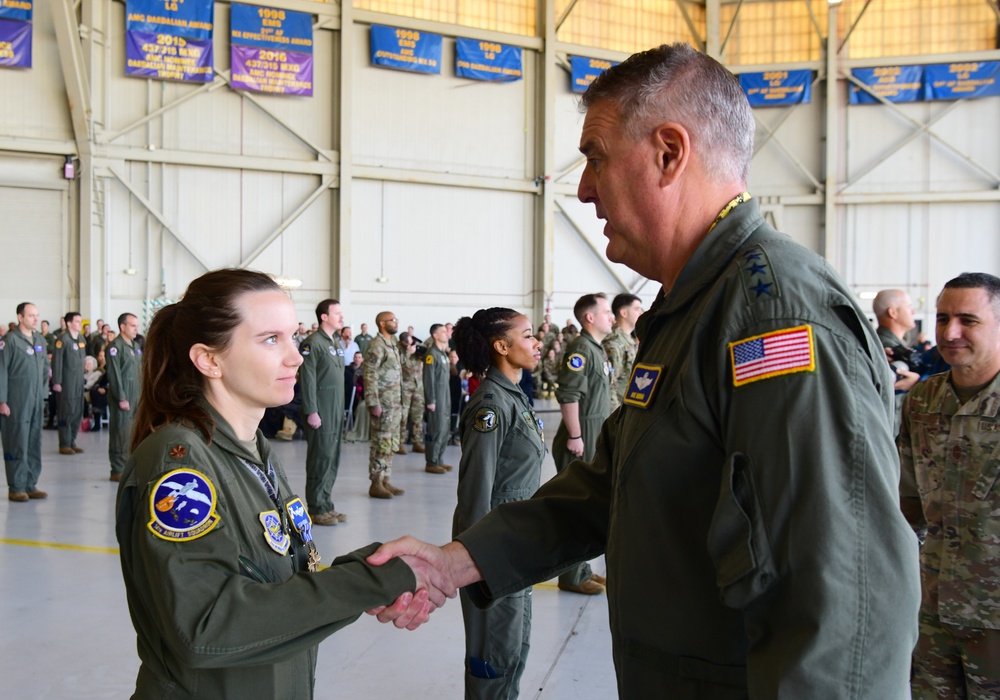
(205, 360)
(673, 150)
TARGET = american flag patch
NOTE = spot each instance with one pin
(771, 354)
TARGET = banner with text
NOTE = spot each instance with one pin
(15, 33)
(585, 70)
(271, 50)
(169, 39)
(485, 60)
(954, 81)
(779, 87)
(406, 49)
(892, 83)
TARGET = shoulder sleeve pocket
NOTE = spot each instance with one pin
(737, 538)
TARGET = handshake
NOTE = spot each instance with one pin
(440, 572)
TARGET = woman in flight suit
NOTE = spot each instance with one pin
(220, 569)
(502, 452)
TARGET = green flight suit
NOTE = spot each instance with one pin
(749, 513)
(321, 378)
(67, 371)
(383, 387)
(219, 612)
(584, 379)
(124, 362)
(502, 453)
(413, 398)
(437, 391)
(24, 376)
(362, 340)
(621, 348)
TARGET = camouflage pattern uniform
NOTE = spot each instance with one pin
(550, 373)
(383, 387)
(124, 362)
(621, 349)
(413, 398)
(948, 453)
(67, 370)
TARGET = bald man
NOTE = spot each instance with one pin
(384, 397)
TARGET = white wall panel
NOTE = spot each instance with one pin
(441, 122)
(34, 264)
(795, 138)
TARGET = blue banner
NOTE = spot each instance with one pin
(954, 81)
(486, 60)
(15, 44)
(270, 28)
(406, 49)
(191, 19)
(16, 9)
(893, 83)
(168, 57)
(777, 87)
(585, 70)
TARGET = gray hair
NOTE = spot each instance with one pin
(674, 82)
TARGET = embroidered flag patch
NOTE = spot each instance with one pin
(772, 354)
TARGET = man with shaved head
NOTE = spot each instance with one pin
(383, 373)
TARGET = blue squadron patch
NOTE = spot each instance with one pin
(138, 351)
(575, 362)
(304, 349)
(113, 351)
(276, 538)
(485, 421)
(38, 348)
(300, 518)
(333, 351)
(182, 506)
(642, 385)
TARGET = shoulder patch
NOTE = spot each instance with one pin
(275, 536)
(485, 421)
(58, 343)
(642, 385)
(2, 344)
(113, 351)
(757, 274)
(786, 351)
(304, 348)
(576, 361)
(182, 506)
(429, 360)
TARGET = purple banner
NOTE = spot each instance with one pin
(266, 70)
(15, 44)
(168, 57)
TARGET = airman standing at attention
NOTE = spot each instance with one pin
(384, 398)
(620, 345)
(437, 397)
(67, 381)
(363, 339)
(24, 375)
(413, 393)
(124, 374)
(322, 381)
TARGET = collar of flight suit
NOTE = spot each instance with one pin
(225, 437)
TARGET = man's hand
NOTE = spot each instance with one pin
(4, 409)
(575, 446)
(375, 411)
(314, 421)
(442, 570)
(431, 407)
(57, 388)
(123, 404)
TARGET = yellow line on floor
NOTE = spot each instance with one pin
(60, 545)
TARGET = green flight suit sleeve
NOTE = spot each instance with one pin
(804, 448)
(909, 496)
(573, 373)
(5, 358)
(564, 523)
(482, 436)
(373, 360)
(429, 385)
(114, 362)
(57, 361)
(307, 376)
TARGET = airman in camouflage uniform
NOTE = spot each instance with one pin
(948, 447)
(124, 372)
(412, 412)
(67, 381)
(384, 397)
(620, 345)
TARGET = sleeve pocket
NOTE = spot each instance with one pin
(737, 538)
(987, 478)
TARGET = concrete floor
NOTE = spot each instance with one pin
(66, 628)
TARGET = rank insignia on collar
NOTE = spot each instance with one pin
(576, 361)
(773, 354)
(276, 538)
(182, 506)
(642, 385)
(485, 421)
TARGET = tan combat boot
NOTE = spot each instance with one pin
(419, 449)
(378, 489)
(392, 489)
(287, 431)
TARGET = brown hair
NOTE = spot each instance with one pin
(172, 387)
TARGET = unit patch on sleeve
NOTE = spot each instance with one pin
(772, 354)
(486, 420)
(182, 506)
(642, 385)
(429, 360)
(113, 351)
(576, 361)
